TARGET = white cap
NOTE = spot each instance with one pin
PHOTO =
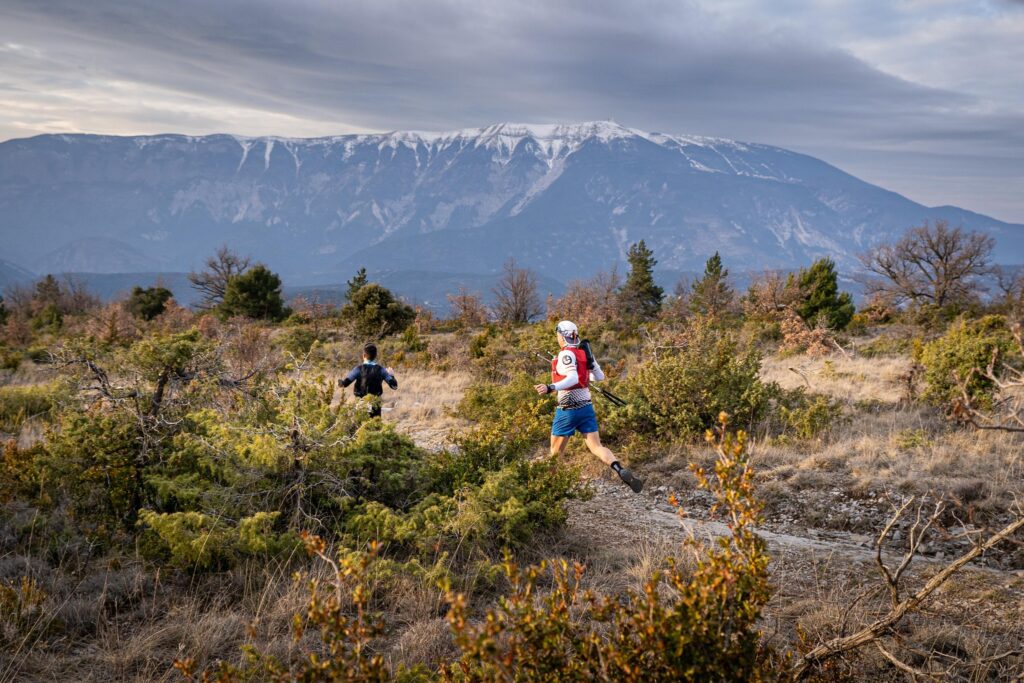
(569, 332)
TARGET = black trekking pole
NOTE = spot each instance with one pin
(612, 398)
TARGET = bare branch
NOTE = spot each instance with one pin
(885, 624)
(516, 299)
(930, 264)
(212, 282)
(902, 666)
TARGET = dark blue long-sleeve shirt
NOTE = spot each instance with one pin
(353, 375)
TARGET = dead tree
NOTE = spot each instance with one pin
(212, 282)
(468, 308)
(930, 264)
(516, 299)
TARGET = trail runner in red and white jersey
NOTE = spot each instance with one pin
(571, 378)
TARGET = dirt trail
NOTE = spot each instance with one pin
(649, 516)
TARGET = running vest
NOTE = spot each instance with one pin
(370, 380)
(582, 373)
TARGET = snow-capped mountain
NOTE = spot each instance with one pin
(566, 200)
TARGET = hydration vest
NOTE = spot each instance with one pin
(370, 380)
(581, 368)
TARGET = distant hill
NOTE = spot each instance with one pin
(112, 286)
(565, 200)
(12, 275)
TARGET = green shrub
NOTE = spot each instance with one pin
(683, 626)
(375, 312)
(822, 299)
(886, 346)
(38, 354)
(9, 359)
(680, 393)
(20, 473)
(513, 503)
(48, 318)
(511, 419)
(200, 542)
(148, 303)
(807, 417)
(298, 341)
(910, 439)
(968, 345)
(478, 343)
(504, 510)
(412, 342)
(256, 293)
(91, 461)
(378, 464)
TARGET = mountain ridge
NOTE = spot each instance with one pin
(448, 202)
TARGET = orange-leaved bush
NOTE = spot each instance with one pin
(682, 626)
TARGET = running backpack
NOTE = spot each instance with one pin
(370, 380)
(582, 373)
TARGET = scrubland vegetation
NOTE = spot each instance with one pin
(188, 496)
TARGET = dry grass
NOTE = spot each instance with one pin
(422, 407)
(913, 448)
(885, 448)
(976, 616)
(129, 624)
(131, 628)
(27, 374)
(851, 379)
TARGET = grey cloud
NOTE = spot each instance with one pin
(669, 66)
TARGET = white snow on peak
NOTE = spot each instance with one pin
(549, 142)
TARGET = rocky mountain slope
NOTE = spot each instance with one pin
(565, 200)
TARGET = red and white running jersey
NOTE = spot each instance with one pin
(571, 379)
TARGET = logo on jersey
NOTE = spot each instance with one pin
(568, 359)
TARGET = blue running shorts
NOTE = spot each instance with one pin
(568, 422)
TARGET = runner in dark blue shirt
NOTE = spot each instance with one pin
(370, 378)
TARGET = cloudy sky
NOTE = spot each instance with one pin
(925, 97)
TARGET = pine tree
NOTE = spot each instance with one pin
(357, 282)
(376, 313)
(822, 299)
(3, 311)
(641, 297)
(48, 292)
(711, 295)
(148, 303)
(254, 294)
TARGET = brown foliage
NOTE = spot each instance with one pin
(798, 337)
(770, 294)
(468, 308)
(589, 302)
